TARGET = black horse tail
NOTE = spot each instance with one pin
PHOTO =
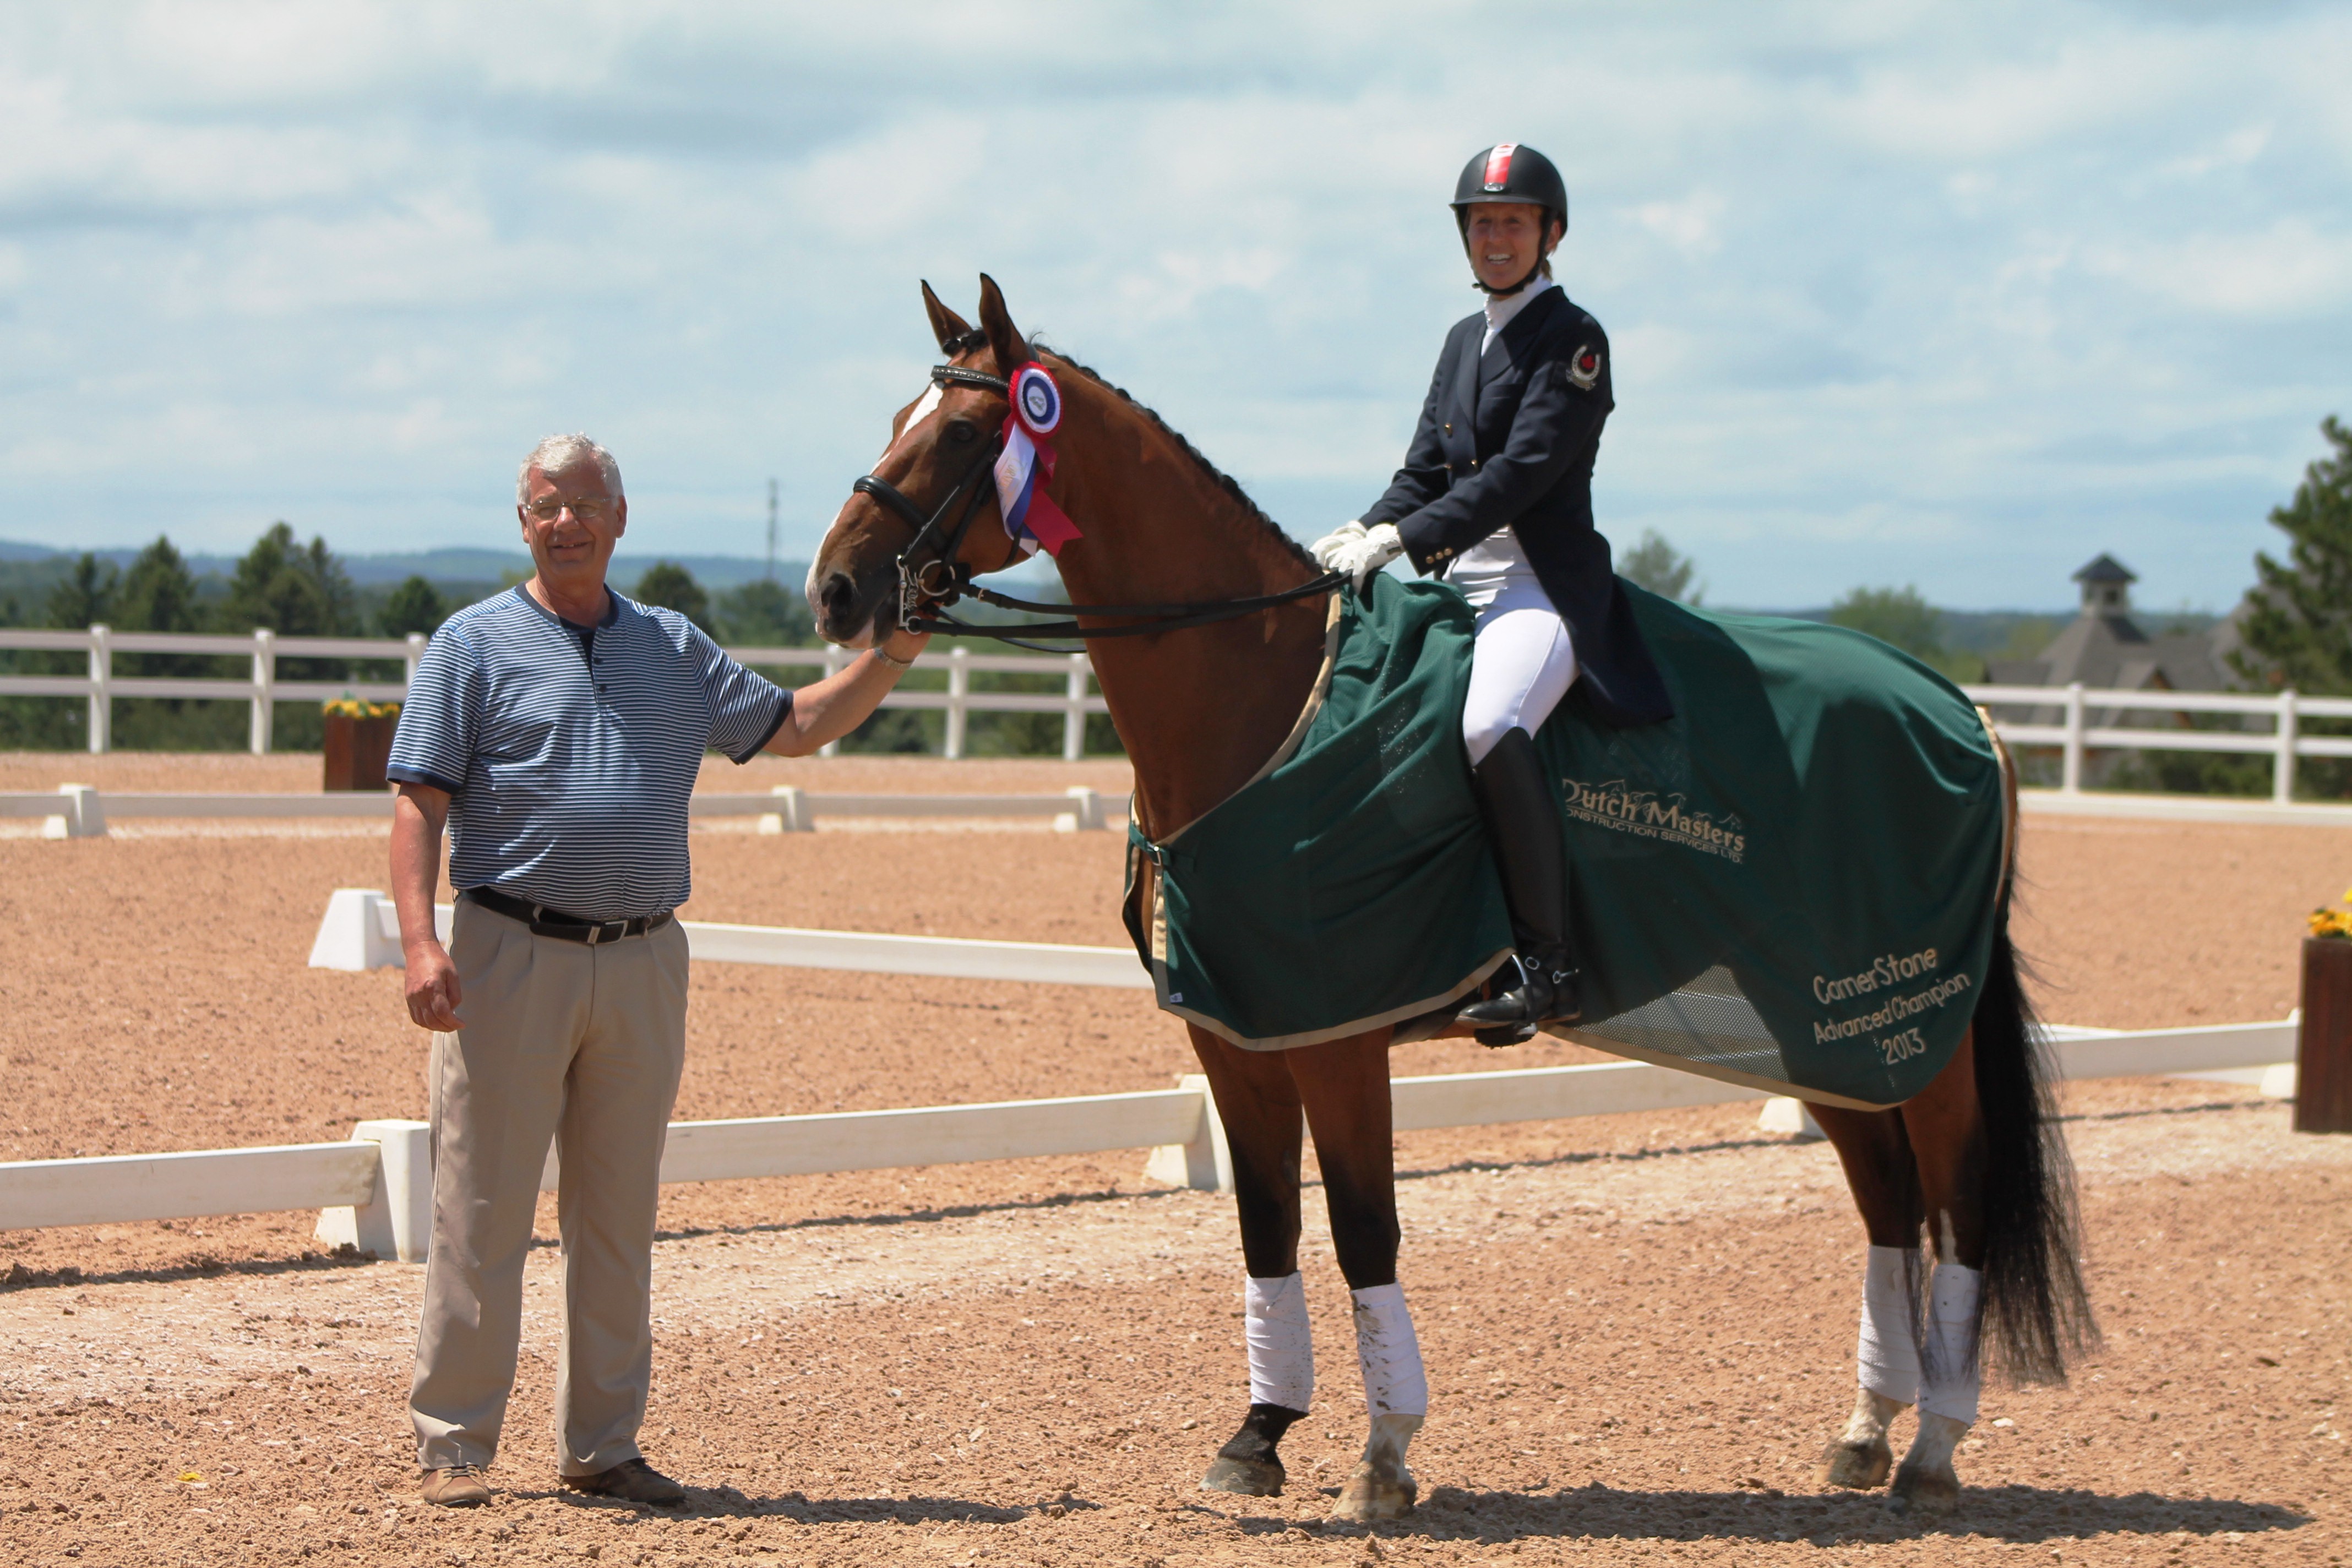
(2036, 1312)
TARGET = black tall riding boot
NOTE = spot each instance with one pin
(1523, 825)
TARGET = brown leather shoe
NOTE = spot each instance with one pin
(458, 1486)
(631, 1481)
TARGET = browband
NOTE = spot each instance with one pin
(945, 376)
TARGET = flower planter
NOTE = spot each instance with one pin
(357, 750)
(2323, 1065)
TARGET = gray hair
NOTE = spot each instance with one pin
(558, 452)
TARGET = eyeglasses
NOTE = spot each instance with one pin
(547, 509)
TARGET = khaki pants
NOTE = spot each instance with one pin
(584, 1045)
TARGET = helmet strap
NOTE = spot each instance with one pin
(1486, 288)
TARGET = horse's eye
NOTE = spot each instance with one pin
(963, 432)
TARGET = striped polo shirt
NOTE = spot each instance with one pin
(570, 752)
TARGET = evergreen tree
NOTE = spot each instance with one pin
(296, 590)
(292, 589)
(2298, 625)
(673, 587)
(415, 606)
(2295, 627)
(1661, 568)
(159, 595)
(84, 596)
(763, 614)
(158, 592)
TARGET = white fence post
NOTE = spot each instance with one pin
(2070, 779)
(1785, 1113)
(959, 689)
(1074, 718)
(1205, 1162)
(834, 660)
(352, 934)
(1088, 816)
(81, 815)
(265, 685)
(792, 812)
(2283, 771)
(415, 652)
(397, 1222)
(101, 690)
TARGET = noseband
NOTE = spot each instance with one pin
(927, 587)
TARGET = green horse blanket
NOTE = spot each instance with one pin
(1792, 884)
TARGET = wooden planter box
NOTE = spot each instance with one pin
(2323, 1065)
(357, 750)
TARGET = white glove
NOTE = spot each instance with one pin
(1331, 543)
(1359, 558)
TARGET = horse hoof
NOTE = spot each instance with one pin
(1249, 1478)
(1368, 1498)
(1861, 1466)
(1920, 1491)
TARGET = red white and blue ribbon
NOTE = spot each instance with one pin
(1026, 465)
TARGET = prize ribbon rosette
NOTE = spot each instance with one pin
(1026, 464)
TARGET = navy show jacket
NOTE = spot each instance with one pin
(1507, 440)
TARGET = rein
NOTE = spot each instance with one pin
(927, 588)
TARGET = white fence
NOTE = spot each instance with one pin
(375, 1191)
(2088, 719)
(263, 688)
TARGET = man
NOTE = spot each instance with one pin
(557, 730)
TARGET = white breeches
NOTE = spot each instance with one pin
(1523, 664)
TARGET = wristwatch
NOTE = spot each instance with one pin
(878, 652)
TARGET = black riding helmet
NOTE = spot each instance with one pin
(1508, 172)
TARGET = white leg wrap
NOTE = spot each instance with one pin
(1394, 1383)
(1888, 1358)
(1949, 1385)
(1281, 1342)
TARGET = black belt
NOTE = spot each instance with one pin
(544, 921)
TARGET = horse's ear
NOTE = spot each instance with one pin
(1011, 349)
(946, 325)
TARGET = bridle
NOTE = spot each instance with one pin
(928, 586)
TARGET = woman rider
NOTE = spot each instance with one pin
(1496, 494)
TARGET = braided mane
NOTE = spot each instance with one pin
(1225, 481)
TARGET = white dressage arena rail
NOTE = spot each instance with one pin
(82, 811)
(360, 929)
(375, 1191)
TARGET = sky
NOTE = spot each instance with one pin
(1956, 295)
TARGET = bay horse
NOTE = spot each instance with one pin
(1974, 1165)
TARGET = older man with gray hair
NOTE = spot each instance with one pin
(556, 731)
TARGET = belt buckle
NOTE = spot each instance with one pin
(607, 931)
